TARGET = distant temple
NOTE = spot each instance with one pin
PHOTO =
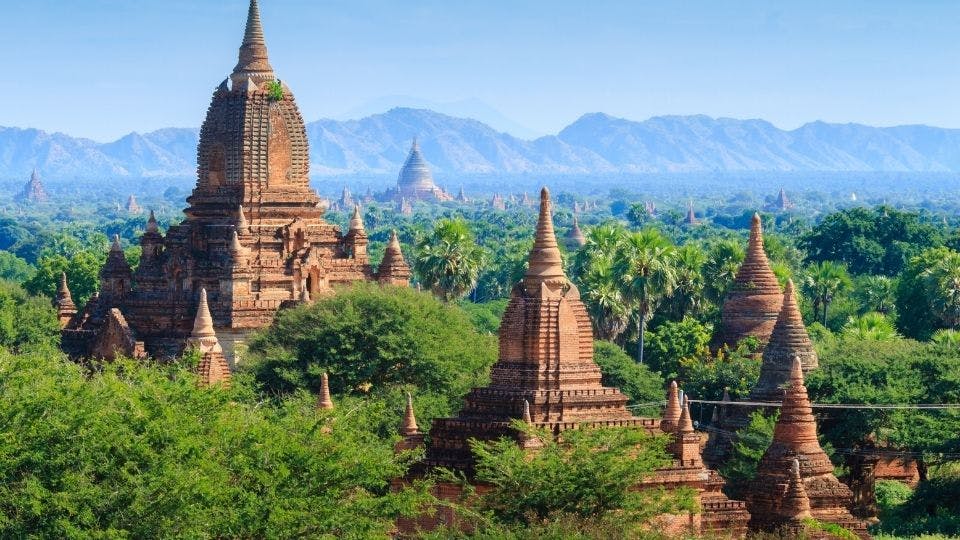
(133, 207)
(33, 191)
(254, 238)
(497, 202)
(691, 218)
(781, 203)
(415, 181)
(462, 197)
(575, 237)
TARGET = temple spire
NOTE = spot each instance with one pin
(671, 415)
(324, 401)
(546, 265)
(242, 226)
(409, 426)
(685, 424)
(253, 62)
(356, 220)
(789, 340)
(152, 223)
(796, 504)
(203, 322)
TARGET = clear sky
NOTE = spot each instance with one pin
(102, 68)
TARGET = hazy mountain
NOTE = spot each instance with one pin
(595, 143)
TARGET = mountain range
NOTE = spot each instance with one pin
(595, 143)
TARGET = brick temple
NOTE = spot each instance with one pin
(546, 376)
(33, 191)
(254, 237)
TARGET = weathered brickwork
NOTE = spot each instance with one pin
(254, 236)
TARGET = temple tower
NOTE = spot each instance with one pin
(33, 191)
(788, 341)
(795, 439)
(754, 300)
(393, 269)
(66, 309)
(213, 368)
(575, 237)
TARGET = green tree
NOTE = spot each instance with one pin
(646, 266)
(823, 282)
(590, 473)
(82, 269)
(372, 339)
(688, 297)
(942, 281)
(449, 261)
(870, 326)
(14, 268)
(915, 319)
(877, 240)
(635, 380)
(752, 441)
(875, 293)
(594, 271)
(26, 322)
(723, 260)
(672, 342)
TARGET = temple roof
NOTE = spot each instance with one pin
(324, 401)
(116, 261)
(671, 415)
(575, 234)
(64, 300)
(795, 434)
(393, 264)
(152, 223)
(203, 321)
(253, 62)
(415, 173)
(409, 425)
(755, 275)
(356, 220)
(545, 263)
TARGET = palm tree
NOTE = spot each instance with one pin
(871, 326)
(719, 271)
(593, 271)
(449, 261)
(942, 281)
(875, 293)
(688, 292)
(823, 282)
(646, 266)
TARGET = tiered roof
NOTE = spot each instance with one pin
(575, 236)
(393, 267)
(213, 368)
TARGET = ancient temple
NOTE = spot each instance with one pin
(497, 202)
(691, 218)
(789, 341)
(415, 181)
(770, 498)
(462, 197)
(133, 207)
(33, 191)
(254, 236)
(754, 300)
(547, 377)
(575, 237)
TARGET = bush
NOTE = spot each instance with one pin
(26, 321)
(373, 339)
(635, 380)
(671, 342)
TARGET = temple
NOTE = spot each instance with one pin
(415, 181)
(546, 376)
(33, 191)
(254, 236)
(754, 300)
(770, 499)
(133, 207)
(575, 238)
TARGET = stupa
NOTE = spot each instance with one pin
(133, 207)
(254, 236)
(415, 181)
(795, 438)
(754, 300)
(575, 237)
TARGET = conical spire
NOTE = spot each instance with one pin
(393, 267)
(152, 223)
(575, 235)
(116, 265)
(685, 424)
(253, 63)
(788, 341)
(527, 419)
(115, 246)
(356, 220)
(691, 215)
(795, 505)
(324, 401)
(203, 322)
(409, 426)
(527, 441)
(236, 248)
(671, 415)
(242, 226)
(63, 291)
(545, 265)
(755, 271)
(35, 175)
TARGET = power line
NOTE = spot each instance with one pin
(933, 406)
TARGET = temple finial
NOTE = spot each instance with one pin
(409, 426)
(356, 220)
(324, 401)
(152, 223)
(253, 63)
(115, 246)
(545, 264)
(203, 322)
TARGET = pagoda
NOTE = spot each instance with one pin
(754, 300)
(770, 499)
(497, 202)
(254, 236)
(782, 203)
(415, 181)
(133, 207)
(546, 377)
(33, 191)
(462, 197)
(691, 218)
(575, 237)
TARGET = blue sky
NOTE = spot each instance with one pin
(102, 68)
